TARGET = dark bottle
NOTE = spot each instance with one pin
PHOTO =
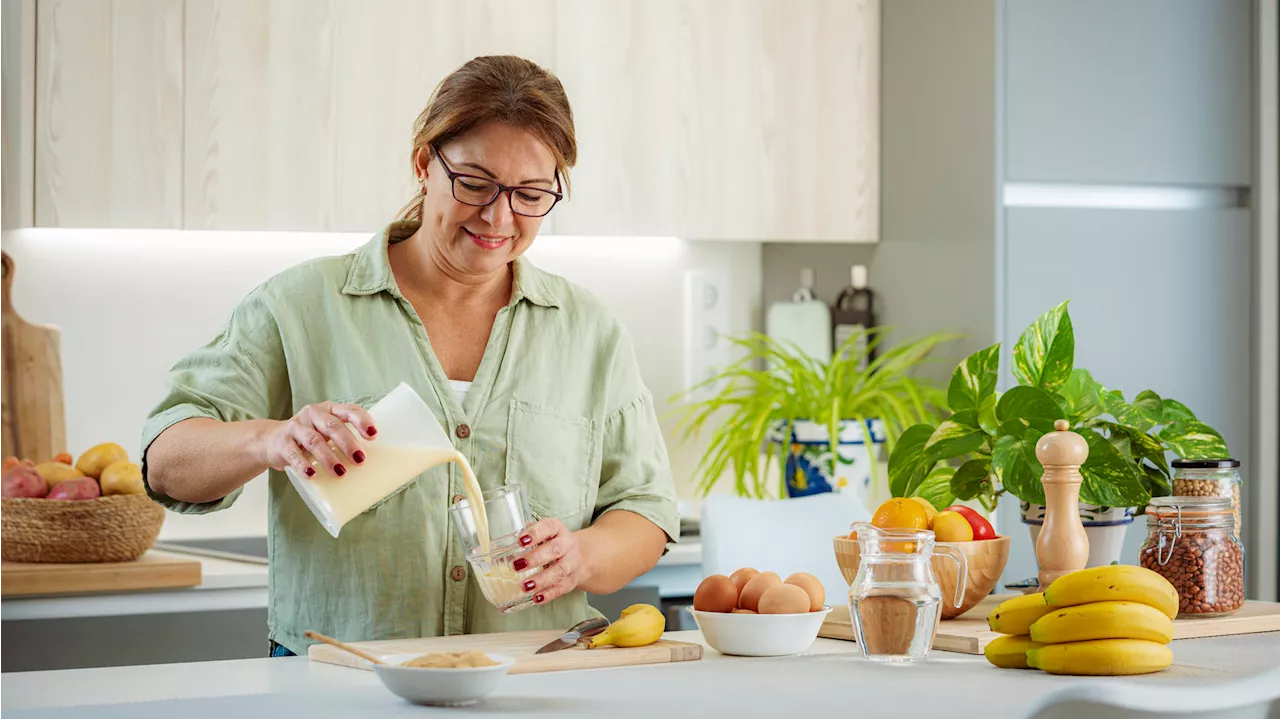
(854, 313)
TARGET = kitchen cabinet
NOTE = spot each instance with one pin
(723, 119)
(708, 119)
(108, 109)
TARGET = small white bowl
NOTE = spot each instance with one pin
(441, 687)
(760, 635)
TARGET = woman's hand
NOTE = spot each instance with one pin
(557, 550)
(295, 441)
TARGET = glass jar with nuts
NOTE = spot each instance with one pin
(1191, 542)
(1209, 478)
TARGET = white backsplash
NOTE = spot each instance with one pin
(131, 303)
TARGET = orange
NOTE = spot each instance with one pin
(900, 513)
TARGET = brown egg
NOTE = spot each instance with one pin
(742, 611)
(759, 584)
(742, 576)
(716, 593)
(811, 586)
(785, 599)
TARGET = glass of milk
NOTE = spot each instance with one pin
(508, 514)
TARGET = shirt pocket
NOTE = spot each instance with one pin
(550, 454)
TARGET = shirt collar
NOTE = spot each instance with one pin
(370, 271)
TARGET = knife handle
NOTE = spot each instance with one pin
(590, 627)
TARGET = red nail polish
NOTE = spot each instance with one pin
(538, 599)
(526, 540)
(358, 456)
(339, 470)
(311, 471)
(372, 431)
(529, 585)
(521, 564)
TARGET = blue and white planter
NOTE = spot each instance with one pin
(808, 457)
(1105, 527)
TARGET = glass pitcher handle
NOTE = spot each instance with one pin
(963, 577)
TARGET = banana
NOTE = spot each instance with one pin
(1015, 616)
(1116, 582)
(1009, 651)
(1101, 657)
(638, 625)
(1103, 620)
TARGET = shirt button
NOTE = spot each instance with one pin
(457, 498)
(458, 574)
(463, 431)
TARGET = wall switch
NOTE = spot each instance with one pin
(708, 301)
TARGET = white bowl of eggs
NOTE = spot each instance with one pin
(757, 614)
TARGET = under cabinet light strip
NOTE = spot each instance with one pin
(1123, 197)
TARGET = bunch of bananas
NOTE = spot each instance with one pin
(1102, 621)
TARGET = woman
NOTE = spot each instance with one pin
(535, 381)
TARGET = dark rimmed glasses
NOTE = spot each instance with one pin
(481, 192)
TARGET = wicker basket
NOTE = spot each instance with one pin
(116, 528)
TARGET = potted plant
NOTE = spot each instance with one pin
(986, 447)
(791, 409)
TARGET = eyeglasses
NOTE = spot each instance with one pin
(481, 192)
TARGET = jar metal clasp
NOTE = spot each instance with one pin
(1164, 540)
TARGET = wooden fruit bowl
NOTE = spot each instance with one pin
(986, 560)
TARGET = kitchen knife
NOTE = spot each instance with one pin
(588, 628)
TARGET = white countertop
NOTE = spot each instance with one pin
(831, 679)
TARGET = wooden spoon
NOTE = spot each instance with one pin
(344, 646)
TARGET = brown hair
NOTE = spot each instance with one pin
(497, 88)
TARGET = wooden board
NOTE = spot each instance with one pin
(520, 645)
(34, 425)
(153, 570)
(969, 634)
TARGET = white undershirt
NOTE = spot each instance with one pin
(459, 389)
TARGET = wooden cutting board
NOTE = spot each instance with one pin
(34, 424)
(521, 646)
(969, 634)
(153, 570)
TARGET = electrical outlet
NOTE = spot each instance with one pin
(708, 300)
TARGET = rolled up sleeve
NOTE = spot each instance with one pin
(232, 378)
(635, 471)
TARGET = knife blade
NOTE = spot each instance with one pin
(588, 628)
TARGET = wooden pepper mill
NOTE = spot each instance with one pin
(1063, 546)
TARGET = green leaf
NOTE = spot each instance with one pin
(1045, 353)
(1141, 415)
(975, 379)
(1139, 445)
(1149, 404)
(1016, 465)
(909, 463)
(1110, 480)
(1174, 411)
(1018, 427)
(958, 434)
(968, 480)
(1080, 397)
(1195, 440)
(937, 488)
(987, 415)
(1030, 403)
(1156, 482)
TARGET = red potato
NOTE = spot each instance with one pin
(24, 481)
(83, 488)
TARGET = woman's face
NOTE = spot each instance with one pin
(481, 240)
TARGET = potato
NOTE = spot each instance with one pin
(82, 488)
(23, 481)
(99, 457)
(122, 478)
(55, 472)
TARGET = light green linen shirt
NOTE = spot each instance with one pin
(557, 406)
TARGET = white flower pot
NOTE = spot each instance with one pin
(806, 457)
(1105, 527)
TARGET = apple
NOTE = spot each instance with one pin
(981, 527)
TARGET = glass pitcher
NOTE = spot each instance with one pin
(895, 600)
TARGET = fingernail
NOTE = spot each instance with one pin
(526, 540)
(538, 599)
(372, 431)
(529, 585)
(358, 456)
(339, 470)
(521, 564)
(311, 471)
